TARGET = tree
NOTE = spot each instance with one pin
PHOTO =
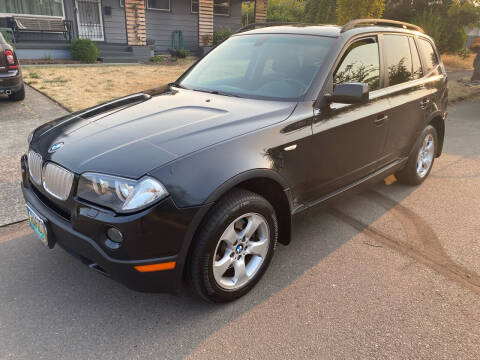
(278, 10)
(359, 9)
(285, 10)
(320, 11)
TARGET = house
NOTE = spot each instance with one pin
(472, 34)
(124, 30)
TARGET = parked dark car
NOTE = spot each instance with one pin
(11, 81)
(200, 181)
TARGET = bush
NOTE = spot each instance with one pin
(157, 59)
(7, 37)
(84, 50)
(221, 35)
(181, 53)
(448, 37)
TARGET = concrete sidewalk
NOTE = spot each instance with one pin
(17, 119)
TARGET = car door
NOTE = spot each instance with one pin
(408, 92)
(348, 139)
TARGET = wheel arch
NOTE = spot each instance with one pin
(269, 184)
(264, 182)
(438, 123)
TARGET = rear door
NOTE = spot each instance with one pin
(408, 92)
(348, 139)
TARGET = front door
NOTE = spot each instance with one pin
(348, 140)
(89, 19)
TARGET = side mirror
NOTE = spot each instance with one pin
(349, 93)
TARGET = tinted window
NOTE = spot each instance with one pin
(417, 66)
(398, 59)
(273, 66)
(360, 63)
(430, 56)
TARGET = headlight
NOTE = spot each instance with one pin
(120, 194)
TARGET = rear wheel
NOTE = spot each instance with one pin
(421, 160)
(18, 95)
(234, 246)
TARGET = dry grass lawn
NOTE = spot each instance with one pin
(453, 62)
(80, 87)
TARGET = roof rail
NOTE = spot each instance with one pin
(265, 24)
(366, 22)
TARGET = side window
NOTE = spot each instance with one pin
(417, 65)
(360, 63)
(430, 56)
(398, 59)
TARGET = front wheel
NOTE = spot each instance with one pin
(234, 246)
(421, 160)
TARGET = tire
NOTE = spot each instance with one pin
(215, 268)
(413, 173)
(18, 95)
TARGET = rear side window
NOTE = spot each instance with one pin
(416, 64)
(398, 59)
(360, 63)
(430, 56)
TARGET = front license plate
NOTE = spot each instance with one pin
(38, 225)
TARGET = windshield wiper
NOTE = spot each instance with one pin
(216, 92)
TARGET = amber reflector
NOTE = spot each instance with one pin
(156, 267)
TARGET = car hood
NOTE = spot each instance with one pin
(133, 135)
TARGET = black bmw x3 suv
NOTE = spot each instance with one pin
(198, 180)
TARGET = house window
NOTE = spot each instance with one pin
(220, 7)
(158, 4)
(32, 7)
(122, 3)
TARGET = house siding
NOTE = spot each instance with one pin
(161, 24)
(114, 25)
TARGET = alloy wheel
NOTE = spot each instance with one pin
(425, 156)
(241, 251)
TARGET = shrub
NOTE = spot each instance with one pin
(7, 37)
(157, 59)
(84, 50)
(221, 35)
(181, 53)
(464, 53)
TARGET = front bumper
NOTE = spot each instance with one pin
(156, 235)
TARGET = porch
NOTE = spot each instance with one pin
(124, 30)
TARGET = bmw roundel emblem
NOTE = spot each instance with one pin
(55, 147)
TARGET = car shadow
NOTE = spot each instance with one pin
(49, 301)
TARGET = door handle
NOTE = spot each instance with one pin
(424, 103)
(380, 119)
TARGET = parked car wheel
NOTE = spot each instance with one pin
(421, 160)
(234, 247)
(18, 95)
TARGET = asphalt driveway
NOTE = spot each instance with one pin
(17, 119)
(392, 272)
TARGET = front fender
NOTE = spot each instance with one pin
(204, 176)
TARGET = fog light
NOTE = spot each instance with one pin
(115, 235)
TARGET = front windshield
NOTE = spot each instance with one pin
(264, 66)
